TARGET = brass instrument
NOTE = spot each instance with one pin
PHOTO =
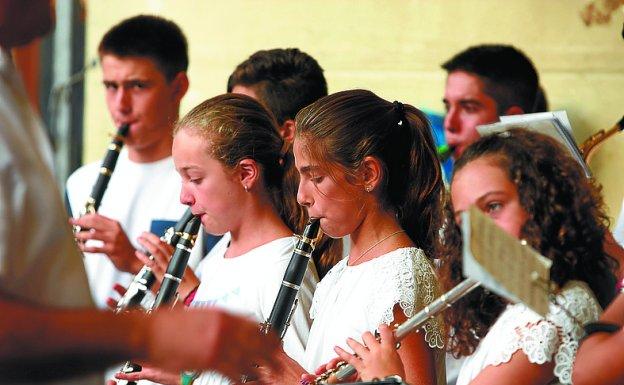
(344, 370)
(589, 146)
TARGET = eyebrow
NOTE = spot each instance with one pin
(308, 168)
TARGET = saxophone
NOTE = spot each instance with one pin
(343, 370)
(591, 144)
(106, 170)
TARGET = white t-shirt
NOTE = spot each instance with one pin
(140, 196)
(39, 261)
(248, 285)
(541, 339)
(353, 299)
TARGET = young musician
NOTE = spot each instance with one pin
(530, 186)
(144, 61)
(285, 80)
(48, 332)
(232, 161)
(484, 82)
(368, 169)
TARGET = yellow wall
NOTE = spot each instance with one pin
(393, 48)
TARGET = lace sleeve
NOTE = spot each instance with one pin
(410, 282)
(554, 337)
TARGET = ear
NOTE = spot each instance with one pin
(179, 85)
(287, 130)
(249, 173)
(514, 110)
(372, 173)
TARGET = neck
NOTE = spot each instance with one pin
(368, 242)
(259, 225)
(151, 153)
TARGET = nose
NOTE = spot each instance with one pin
(303, 198)
(451, 121)
(123, 100)
(186, 197)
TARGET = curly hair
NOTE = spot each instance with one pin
(566, 223)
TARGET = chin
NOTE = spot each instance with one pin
(331, 231)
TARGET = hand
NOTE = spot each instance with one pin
(115, 242)
(161, 253)
(209, 339)
(375, 359)
(289, 371)
(153, 374)
(112, 302)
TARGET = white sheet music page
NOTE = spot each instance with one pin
(554, 124)
(503, 264)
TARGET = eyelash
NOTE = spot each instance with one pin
(490, 207)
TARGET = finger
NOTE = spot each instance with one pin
(369, 340)
(87, 234)
(111, 382)
(307, 378)
(136, 376)
(348, 357)
(111, 303)
(95, 249)
(155, 252)
(387, 336)
(95, 221)
(357, 347)
(119, 289)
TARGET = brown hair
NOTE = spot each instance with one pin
(347, 126)
(238, 127)
(566, 223)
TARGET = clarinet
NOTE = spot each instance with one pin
(175, 270)
(344, 370)
(145, 278)
(106, 170)
(173, 277)
(286, 301)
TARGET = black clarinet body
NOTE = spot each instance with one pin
(145, 278)
(286, 300)
(178, 263)
(173, 276)
(106, 170)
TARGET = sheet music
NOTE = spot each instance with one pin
(554, 124)
(503, 264)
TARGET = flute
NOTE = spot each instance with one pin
(106, 170)
(286, 300)
(145, 278)
(344, 370)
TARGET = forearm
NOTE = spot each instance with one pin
(46, 342)
(600, 360)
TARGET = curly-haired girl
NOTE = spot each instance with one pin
(529, 185)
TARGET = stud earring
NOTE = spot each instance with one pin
(246, 188)
(368, 188)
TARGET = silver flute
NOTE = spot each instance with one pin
(344, 370)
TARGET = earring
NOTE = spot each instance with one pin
(246, 188)
(368, 188)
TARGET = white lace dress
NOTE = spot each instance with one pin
(353, 299)
(540, 339)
